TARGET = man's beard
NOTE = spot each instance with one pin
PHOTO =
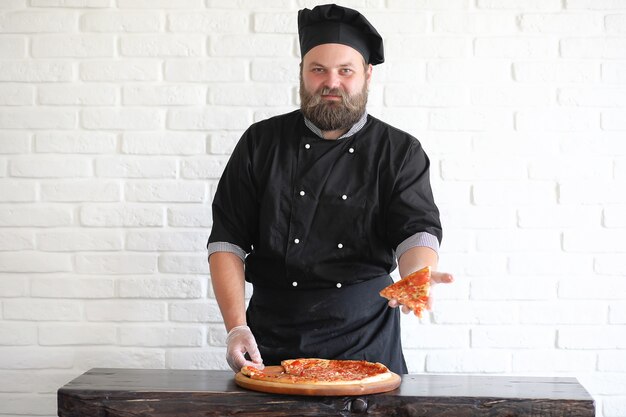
(332, 115)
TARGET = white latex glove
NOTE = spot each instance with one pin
(239, 341)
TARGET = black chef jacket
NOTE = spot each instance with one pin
(320, 221)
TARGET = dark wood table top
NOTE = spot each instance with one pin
(152, 392)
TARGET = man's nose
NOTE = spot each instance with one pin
(332, 80)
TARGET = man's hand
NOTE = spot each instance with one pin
(240, 341)
(435, 278)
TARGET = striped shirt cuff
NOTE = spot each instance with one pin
(225, 247)
(418, 239)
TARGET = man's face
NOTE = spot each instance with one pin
(333, 86)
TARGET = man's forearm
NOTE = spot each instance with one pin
(417, 258)
(227, 278)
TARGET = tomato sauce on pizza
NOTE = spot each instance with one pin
(412, 291)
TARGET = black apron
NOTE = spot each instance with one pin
(351, 322)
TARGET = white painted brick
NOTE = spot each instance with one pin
(116, 264)
(267, 112)
(18, 334)
(568, 217)
(35, 358)
(471, 120)
(179, 191)
(547, 264)
(468, 361)
(250, 4)
(17, 191)
(164, 95)
(125, 70)
(163, 143)
(13, 4)
(12, 47)
(514, 47)
(614, 216)
(512, 96)
(36, 71)
(250, 95)
(612, 48)
(122, 310)
(518, 241)
(517, 288)
(557, 120)
(37, 22)
(408, 47)
(594, 241)
(47, 167)
(158, 241)
(408, 21)
(213, 69)
(613, 120)
(14, 142)
(42, 381)
(82, 95)
(614, 72)
(13, 285)
(513, 337)
(160, 4)
(126, 215)
(204, 311)
(119, 357)
(570, 168)
(25, 261)
(518, 193)
(279, 22)
(14, 240)
(123, 119)
(72, 46)
(72, 286)
(79, 240)
(33, 404)
(592, 337)
(477, 217)
(411, 70)
(161, 336)
(35, 216)
(598, 144)
(617, 313)
(223, 143)
(427, 337)
(259, 45)
(620, 170)
(36, 118)
(203, 168)
(107, 21)
(440, 144)
(197, 359)
(429, 4)
(71, 3)
(560, 23)
(184, 287)
(588, 192)
(614, 406)
(184, 216)
(75, 142)
(520, 4)
(552, 361)
(425, 95)
(468, 71)
(161, 45)
(482, 23)
(215, 118)
(475, 312)
(607, 288)
(216, 335)
(483, 169)
(183, 264)
(611, 361)
(553, 71)
(595, 4)
(76, 334)
(592, 97)
(563, 312)
(77, 191)
(133, 167)
(41, 310)
(215, 21)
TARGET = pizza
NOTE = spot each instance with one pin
(317, 371)
(411, 291)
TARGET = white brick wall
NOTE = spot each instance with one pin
(117, 118)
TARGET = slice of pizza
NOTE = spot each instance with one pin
(411, 291)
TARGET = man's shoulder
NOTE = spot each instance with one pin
(391, 133)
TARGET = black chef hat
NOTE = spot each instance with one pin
(330, 23)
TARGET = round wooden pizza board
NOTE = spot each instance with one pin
(389, 384)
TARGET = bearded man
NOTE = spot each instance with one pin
(317, 207)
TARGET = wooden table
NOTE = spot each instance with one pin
(190, 393)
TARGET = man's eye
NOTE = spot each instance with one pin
(318, 70)
(346, 71)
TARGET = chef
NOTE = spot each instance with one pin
(317, 207)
